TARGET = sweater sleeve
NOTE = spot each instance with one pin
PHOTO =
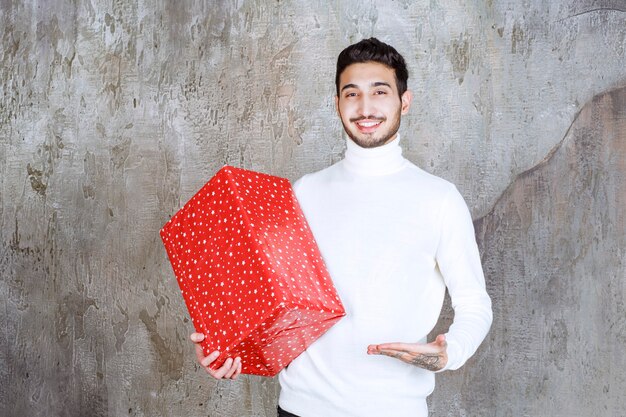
(297, 184)
(459, 262)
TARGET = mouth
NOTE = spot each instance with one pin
(368, 125)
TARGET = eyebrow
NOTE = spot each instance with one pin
(374, 84)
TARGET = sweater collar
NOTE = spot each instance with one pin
(381, 160)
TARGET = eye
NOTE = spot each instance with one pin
(380, 92)
(352, 94)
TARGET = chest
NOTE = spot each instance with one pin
(370, 221)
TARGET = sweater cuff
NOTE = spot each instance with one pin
(455, 355)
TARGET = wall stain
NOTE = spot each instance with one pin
(120, 328)
(459, 54)
(120, 152)
(90, 176)
(28, 259)
(557, 344)
(48, 153)
(110, 22)
(169, 362)
(282, 56)
(517, 37)
(49, 37)
(110, 69)
(17, 247)
(70, 315)
(35, 177)
(11, 101)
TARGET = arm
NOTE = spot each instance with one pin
(431, 356)
(459, 263)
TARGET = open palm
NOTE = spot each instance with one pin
(431, 356)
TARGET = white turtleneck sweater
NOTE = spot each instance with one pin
(393, 237)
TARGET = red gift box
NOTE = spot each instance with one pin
(250, 271)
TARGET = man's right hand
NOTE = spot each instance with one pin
(229, 370)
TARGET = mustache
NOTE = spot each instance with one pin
(373, 118)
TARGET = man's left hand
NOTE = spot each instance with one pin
(431, 356)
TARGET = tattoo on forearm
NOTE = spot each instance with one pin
(430, 362)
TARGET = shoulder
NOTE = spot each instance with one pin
(429, 184)
(321, 177)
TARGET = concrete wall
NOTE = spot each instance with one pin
(113, 113)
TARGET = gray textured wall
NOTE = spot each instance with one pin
(113, 113)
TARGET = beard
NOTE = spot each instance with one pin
(375, 139)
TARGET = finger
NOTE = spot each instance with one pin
(395, 347)
(372, 349)
(441, 340)
(197, 337)
(398, 354)
(219, 374)
(207, 360)
(233, 368)
(402, 347)
(237, 372)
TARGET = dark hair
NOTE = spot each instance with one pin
(373, 50)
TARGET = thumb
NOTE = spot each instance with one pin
(441, 340)
(197, 337)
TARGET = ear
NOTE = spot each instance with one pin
(406, 99)
(337, 105)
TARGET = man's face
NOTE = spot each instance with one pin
(368, 103)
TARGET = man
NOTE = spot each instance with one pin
(393, 238)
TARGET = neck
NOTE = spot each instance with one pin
(380, 160)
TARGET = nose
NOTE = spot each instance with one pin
(366, 106)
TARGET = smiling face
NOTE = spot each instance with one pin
(368, 103)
